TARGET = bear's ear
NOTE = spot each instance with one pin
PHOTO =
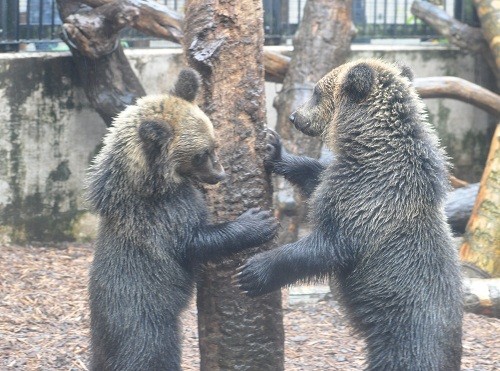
(405, 71)
(358, 82)
(187, 85)
(154, 132)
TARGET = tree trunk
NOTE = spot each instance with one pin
(457, 33)
(489, 15)
(224, 42)
(322, 42)
(109, 82)
(481, 246)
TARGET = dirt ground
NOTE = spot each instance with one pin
(44, 320)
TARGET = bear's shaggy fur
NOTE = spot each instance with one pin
(377, 212)
(153, 229)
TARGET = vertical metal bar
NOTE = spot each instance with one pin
(18, 12)
(52, 19)
(40, 20)
(374, 17)
(395, 32)
(405, 17)
(414, 25)
(299, 16)
(2, 20)
(28, 19)
(385, 18)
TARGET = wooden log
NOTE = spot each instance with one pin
(276, 66)
(457, 183)
(153, 18)
(481, 245)
(93, 30)
(459, 205)
(107, 78)
(488, 12)
(482, 296)
(458, 33)
(224, 41)
(460, 89)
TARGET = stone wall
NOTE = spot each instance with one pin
(49, 133)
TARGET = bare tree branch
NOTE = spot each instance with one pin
(109, 82)
(94, 30)
(458, 33)
(460, 89)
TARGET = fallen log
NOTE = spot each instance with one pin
(482, 296)
(459, 205)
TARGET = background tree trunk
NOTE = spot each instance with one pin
(109, 82)
(488, 12)
(481, 246)
(224, 42)
(322, 42)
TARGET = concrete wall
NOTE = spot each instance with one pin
(49, 133)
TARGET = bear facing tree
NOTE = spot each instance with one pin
(153, 230)
(378, 218)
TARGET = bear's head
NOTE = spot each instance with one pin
(176, 134)
(156, 145)
(345, 89)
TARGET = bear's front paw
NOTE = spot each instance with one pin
(273, 149)
(257, 226)
(254, 277)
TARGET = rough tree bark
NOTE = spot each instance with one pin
(458, 33)
(92, 36)
(322, 42)
(224, 42)
(488, 12)
(481, 246)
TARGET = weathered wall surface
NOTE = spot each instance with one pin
(49, 133)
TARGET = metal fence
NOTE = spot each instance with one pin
(37, 22)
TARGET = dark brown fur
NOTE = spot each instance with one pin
(379, 223)
(154, 229)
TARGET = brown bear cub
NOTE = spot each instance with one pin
(154, 228)
(378, 219)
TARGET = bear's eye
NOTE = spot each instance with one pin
(200, 158)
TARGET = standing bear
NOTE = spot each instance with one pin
(378, 222)
(153, 230)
